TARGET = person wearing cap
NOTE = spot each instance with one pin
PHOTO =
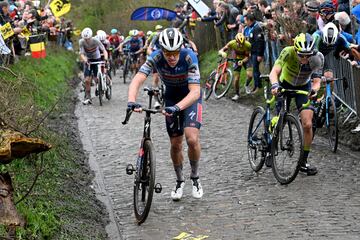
(312, 9)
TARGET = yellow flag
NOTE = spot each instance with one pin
(25, 31)
(60, 7)
(77, 32)
(6, 30)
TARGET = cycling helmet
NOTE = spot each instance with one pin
(135, 33)
(114, 31)
(330, 33)
(170, 39)
(86, 33)
(148, 33)
(131, 33)
(240, 38)
(141, 34)
(304, 44)
(158, 27)
(101, 35)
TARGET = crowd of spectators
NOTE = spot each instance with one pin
(27, 18)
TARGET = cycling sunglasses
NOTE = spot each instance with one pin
(301, 55)
(171, 53)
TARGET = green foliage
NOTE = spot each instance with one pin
(108, 14)
(55, 203)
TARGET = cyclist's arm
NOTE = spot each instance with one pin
(191, 97)
(274, 74)
(135, 85)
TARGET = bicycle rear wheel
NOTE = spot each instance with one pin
(256, 139)
(220, 88)
(144, 183)
(287, 149)
(332, 125)
(208, 86)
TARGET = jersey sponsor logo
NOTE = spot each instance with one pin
(192, 115)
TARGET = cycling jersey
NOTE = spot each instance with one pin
(134, 44)
(293, 72)
(240, 51)
(91, 49)
(115, 40)
(176, 79)
(155, 45)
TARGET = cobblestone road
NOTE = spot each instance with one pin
(237, 204)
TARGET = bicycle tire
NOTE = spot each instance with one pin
(254, 164)
(100, 89)
(286, 177)
(227, 85)
(208, 86)
(126, 69)
(144, 183)
(332, 128)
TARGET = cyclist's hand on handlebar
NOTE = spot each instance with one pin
(222, 54)
(275, 89)
(169, 111)
(313, 94)
(136, 107)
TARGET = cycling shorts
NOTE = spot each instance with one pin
(300, 99)
(91, 70)
(190, 117)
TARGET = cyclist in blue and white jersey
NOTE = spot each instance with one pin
(135, 46)
(329, 40)
(178, 70)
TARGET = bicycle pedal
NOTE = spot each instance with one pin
(130, 169)
(158, 188)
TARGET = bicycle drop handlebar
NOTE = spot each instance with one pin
(147, 110)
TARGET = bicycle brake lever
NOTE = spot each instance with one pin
(128, 114)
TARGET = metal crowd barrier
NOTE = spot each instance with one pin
(348, 95)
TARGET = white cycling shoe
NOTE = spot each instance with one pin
(177, 193)
(197, 190)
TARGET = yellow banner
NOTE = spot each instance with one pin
(37, 47)
(60, 7)
(6, 30)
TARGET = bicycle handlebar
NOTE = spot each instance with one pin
(130, 111)
(328, 80)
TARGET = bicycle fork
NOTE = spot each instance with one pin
(139, 168)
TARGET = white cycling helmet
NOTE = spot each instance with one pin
(171, 39)
(101, 35)
(149, 33)
(86, 33)
(135, 33)
(330, 33)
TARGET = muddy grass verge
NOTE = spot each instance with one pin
(82, 215)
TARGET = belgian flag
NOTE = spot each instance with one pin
(37, 46)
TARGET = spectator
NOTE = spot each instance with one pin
(228, 18)
(312, 9)
(255, 36)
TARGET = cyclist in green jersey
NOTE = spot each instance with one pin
(294, 69)
(241, 49)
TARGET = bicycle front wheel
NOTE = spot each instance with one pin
(256, 139)
(222, 84)
(332, 125)
(208, 86)
(287, 149)
(100, 88)
(126, 69)
(144, 183)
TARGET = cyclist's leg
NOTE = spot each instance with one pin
(88, 76)
(192, 124)
(236, 72)
(306, 116)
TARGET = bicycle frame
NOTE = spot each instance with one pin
(221, 68)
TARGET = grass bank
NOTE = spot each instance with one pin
(62, 204)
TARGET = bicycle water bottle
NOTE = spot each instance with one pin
(273, 123)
